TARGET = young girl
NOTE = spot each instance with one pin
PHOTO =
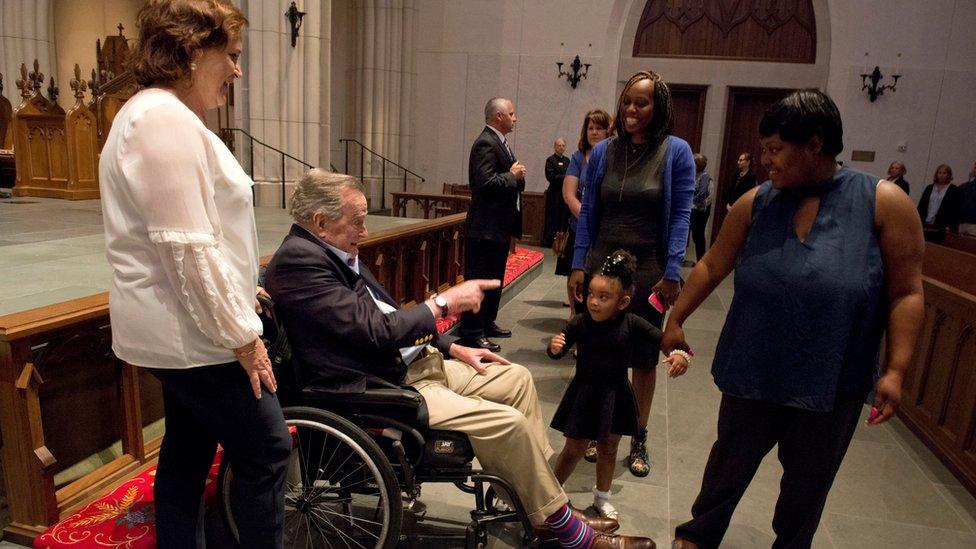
(599, 403)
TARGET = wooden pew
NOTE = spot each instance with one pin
(64, 396)
(431, 205)
(455, 188)
(961, 242)
(437, 205)
(939, 400)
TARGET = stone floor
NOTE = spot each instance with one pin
(890, 492)
(54, 250)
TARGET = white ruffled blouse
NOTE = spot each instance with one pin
(180, 236)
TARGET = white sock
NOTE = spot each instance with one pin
(600, 496)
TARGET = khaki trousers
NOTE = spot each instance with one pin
(501, 415)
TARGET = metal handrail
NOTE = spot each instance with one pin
(279, 151)
(362, 166)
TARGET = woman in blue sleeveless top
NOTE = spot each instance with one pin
(826, 260)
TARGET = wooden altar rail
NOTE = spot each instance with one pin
(64, 396)
(939, 399)
(414, 261)
(436, 205)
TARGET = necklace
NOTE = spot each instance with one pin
(631, 148)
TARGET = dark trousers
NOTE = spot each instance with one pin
(699, 218)
(483, 259)
(811, 448)
(204, 406)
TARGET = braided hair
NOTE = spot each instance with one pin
(663, 122)
(621, 265)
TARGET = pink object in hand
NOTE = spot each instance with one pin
(656, 302)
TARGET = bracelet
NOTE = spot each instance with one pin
(248, 352)
(681, 353)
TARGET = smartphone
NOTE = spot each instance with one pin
(656, 302)
(876, 411)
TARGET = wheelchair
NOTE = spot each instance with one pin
(359, 460)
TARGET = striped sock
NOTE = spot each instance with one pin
(569, 530)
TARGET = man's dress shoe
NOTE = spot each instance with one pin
(481, 343)
(495, 331)
(602, 525)
(610, 541)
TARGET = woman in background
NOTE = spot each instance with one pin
(941, 202)
(596, 128)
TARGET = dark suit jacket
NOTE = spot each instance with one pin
(949, 209)
(740, 186)
(338, 334)
(903, 184)
(556, 167)
(492, 214)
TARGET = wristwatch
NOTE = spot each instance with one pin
(442, 303)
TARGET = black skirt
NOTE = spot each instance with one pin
(593, 411)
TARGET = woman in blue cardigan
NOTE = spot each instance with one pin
(641, 185)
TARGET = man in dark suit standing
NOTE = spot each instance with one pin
(346, 332)
(557, 213)
(497, 180)
(896, 174)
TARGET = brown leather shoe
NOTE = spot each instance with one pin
(609, 541)
(598, 523)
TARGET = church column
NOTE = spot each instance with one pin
(384, 76)
(26, 33)
(283, 98)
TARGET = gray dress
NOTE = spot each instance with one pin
(631, 210)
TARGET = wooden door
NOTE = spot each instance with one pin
(744, 111)
(688, 101)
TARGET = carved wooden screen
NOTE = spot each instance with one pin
(40, 142)
(82, 132)
(753, 30)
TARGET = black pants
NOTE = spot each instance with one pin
(699, 218)
(483, 259)
(204, 406)
(811, 448)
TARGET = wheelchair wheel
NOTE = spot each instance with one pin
(340, 490)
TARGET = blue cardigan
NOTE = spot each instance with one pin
(679, 189)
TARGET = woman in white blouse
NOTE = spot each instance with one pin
(182, 242)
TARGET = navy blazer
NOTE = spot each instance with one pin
(338, 334)
(493, 213)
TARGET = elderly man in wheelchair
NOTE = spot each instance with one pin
(378, 402)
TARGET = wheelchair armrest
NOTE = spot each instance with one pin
(373, 395)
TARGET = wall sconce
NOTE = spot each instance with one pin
(874, 90)
(295, 18)
(575, 76)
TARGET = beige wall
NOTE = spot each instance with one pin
(470, 50)
(77, 24)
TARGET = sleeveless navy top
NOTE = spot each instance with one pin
(806, 320)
